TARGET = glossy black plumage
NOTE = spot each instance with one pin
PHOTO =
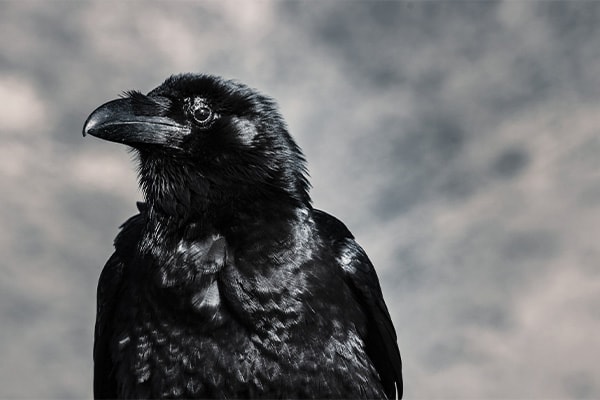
(228, 283)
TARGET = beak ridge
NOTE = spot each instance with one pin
(124, 122)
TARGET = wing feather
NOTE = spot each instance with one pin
(110, 286)
(381, 339)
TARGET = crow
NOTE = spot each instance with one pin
(228, 283)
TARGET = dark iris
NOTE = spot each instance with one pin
(203, 114)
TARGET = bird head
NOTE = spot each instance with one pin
(204, 141)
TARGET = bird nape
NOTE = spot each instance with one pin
(228, 283)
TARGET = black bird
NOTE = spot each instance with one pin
(228, 283)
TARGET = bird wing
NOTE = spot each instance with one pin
(105, 386)
(381, 339)
(110, 286)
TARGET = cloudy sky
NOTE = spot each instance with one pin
(459, 141)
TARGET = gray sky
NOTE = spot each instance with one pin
(459, 141)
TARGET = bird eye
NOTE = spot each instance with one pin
(202, 114)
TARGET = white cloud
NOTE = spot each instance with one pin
(23, 109)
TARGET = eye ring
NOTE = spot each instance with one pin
(199, 112)
(202, 114)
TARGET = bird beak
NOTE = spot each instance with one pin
(134, 123)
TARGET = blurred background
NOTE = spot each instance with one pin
(459, 141)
